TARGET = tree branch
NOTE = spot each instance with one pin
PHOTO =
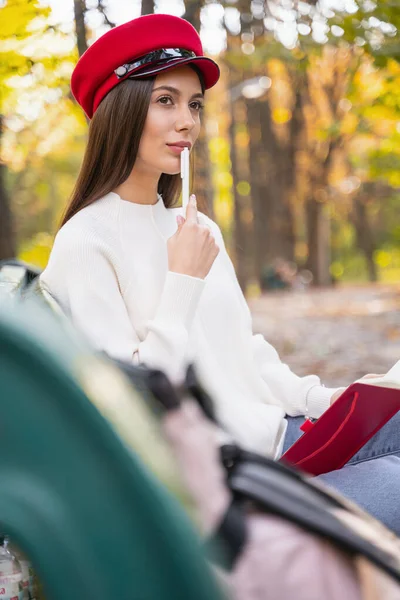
(102, 9)
(147, 7)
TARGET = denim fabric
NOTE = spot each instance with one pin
(372, 477)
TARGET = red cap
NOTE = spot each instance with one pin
(134, 50)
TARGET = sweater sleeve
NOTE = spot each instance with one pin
(296, 395)
(97, 308)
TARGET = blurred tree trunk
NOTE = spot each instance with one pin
(81, 33)
(288, 173)
(239, 233)
(329, 83)
(272, 179)
(260, 197)
(364, 233)
(192, 12)
(318, 241)
(279, 169)
(273, 167)
(7, 236)
(80, 27)
(80, 10)
(202, 184)
(147, 7)
(321, 154)
(318, 221)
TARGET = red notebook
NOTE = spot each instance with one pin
(345, 426)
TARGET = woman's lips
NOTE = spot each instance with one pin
(175, 149)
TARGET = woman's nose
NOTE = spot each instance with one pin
(185, 119)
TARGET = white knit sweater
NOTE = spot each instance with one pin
(108, 269)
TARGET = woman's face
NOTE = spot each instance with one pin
(173, 118)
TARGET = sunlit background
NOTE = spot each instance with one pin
(299, 161)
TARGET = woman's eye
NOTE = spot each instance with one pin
(164, 100)
(197, 105)
(167, 100)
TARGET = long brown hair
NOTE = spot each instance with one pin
(113, 143)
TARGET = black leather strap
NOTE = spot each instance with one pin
(146, 380)
(225, 545)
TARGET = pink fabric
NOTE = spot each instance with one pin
(280, 561)
(283, 562)
(194, 441)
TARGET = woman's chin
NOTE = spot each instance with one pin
(172, 169)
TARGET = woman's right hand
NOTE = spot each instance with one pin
(192, 249)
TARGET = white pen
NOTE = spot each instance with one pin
(185, 178)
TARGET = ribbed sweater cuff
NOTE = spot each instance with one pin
(180, 297)
(318, 400)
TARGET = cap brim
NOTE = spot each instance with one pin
(208, 68)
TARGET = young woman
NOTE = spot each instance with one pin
(149, 284)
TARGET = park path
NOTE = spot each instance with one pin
(339, 334)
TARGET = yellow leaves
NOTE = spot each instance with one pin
(281, 115)
(216, 144)
(243, 188)
(394, 179)
(223, 205)
(337, 269)
(16, 17)
(276, 67)
(37, 251)
(388, 263)
(346, 236)
(242, 139)
(13, 157)
(10, 62)
(219, 150)
(378, 111)
(54, 135)
(298, 53)
(223, 211)
(301, 251)
(369, 83)
(349, 123)
(224, 179)
(382, 258)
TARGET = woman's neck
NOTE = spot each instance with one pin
(139, 188)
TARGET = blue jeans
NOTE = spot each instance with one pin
(372, 477)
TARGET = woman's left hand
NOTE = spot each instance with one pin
(340, 391)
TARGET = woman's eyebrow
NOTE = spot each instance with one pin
(176, 91)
